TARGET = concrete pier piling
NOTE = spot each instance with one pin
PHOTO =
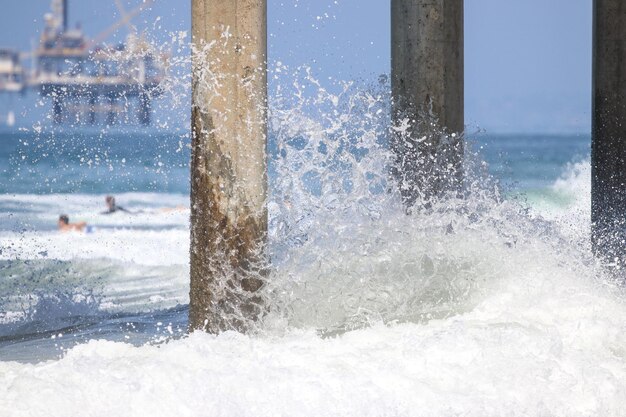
(228, 167)
(427, 90)
(608, 145)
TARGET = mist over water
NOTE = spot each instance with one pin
(490, 304)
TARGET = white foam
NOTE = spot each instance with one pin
(516, 354)
(539, 331)
(144, 247)
(130, 262)
(149, 237)
(569, 206)
(149, 209)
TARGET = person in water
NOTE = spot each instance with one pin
(65, 225)
(112, 207)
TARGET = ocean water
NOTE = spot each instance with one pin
(484, 306)
(120, 279)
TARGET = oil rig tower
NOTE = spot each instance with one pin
(87, 83)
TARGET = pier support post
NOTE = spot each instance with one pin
(427, 94)
(228, 162)
(608, 144)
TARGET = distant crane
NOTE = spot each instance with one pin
(124, 20)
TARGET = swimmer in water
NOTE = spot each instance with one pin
(65, 225)
(112, 207)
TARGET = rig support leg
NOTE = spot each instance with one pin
(427, 94)
(144, 108)
(228, 163)
(608, 143)
(57, 108)
(91, 118)
(112, 112)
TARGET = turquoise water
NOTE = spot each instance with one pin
(97, 163)
(93, 162)
(531, 162)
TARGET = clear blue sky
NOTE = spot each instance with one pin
(527, 62)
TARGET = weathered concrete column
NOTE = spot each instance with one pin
(228, 166)
(608, 146)
(427, 90)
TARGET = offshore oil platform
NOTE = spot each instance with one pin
(88, 83)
